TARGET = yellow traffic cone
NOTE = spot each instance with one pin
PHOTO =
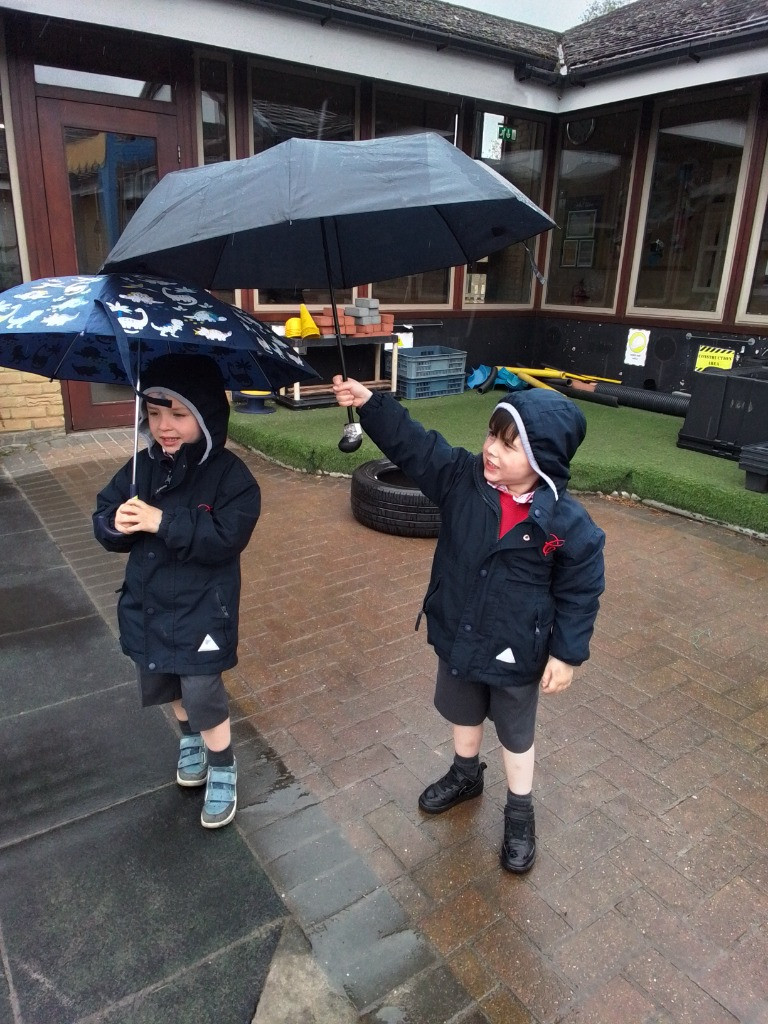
(309, 328)
(293, 327)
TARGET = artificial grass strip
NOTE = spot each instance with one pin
(625, 449)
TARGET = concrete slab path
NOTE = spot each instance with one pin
(649, 899)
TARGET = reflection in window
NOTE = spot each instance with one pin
(214, 109)
(109, 176)
(513, 147)
(404, 114)
(286, 106)
(593, 175)
(111, 84)
(757, 304)
(10, 263)
(690, 206)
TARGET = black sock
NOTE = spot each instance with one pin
(185, 727)
(515, 802)
(469, 766)
(221, 758)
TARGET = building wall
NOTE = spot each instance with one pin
(590, 341)
(29, 402)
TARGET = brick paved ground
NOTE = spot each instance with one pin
(649, 899)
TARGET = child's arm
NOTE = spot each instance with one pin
(109, 501)
(136, 516)
(424, 455)
(557, 676)
(578, 580)
(350, 392)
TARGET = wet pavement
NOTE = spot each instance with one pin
(648, 902)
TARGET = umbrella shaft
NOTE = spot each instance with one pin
(342, 360)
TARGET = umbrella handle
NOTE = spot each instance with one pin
(352, 435)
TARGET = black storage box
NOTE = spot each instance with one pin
(754, 461)
(728, 409)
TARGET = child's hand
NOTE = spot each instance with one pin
(557, 676)
(136, 516)
(350, 392)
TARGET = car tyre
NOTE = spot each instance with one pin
(385, 499)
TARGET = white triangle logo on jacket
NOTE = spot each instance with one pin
(209, 644)
(506, 656)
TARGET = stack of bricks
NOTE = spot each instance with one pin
(362, 319)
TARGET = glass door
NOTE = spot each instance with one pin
(100, 162)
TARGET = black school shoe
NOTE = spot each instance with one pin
(518, 851)
(454, 788)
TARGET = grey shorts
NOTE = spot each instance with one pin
(204, 698)
(512, 709)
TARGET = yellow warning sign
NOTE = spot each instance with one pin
(721, 358)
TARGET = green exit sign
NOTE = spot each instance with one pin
(506, 133)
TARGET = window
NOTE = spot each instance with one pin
(403, 114)
(112, 84)
(214, 97)
(285, 106)
(756, 279)
(10, 261)
(289, 106)
(593, 174)
(684, 243)
(512, 146)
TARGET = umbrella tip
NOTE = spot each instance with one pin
(352, 438)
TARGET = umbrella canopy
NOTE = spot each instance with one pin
(315, 214)
(106, 328)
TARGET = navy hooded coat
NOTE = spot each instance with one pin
(498, 608)
(178, 608)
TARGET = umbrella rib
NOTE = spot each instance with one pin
(467, 258)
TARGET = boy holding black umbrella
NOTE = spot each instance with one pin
(515, 585)
(195, 511)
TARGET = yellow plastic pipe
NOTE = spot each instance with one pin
(531, 380)
(560, 374)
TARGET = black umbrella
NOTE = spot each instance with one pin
(106, 328)
(309, 214)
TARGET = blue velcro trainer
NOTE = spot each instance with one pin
(220, 796)
(192, 769)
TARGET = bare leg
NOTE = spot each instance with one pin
(178, 710)
(519, 770)
(467, 739)
(219, 737)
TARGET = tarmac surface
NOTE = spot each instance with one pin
(331, 898)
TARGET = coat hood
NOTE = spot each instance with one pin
(196, 381)
(551, 428)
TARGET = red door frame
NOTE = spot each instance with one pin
(53, 116)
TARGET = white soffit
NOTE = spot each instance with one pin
(261, 32)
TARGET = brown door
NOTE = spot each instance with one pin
(99, 163)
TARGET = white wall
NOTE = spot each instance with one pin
(233, 25)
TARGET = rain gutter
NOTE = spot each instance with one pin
(526, 66)
(443, 40)
(690, 50)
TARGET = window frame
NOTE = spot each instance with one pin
(446, 99)
(267, 309)
(716, 315)
(231, 134)
(559, 124)
(546, 122)
(742, 315)
(13, 166)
